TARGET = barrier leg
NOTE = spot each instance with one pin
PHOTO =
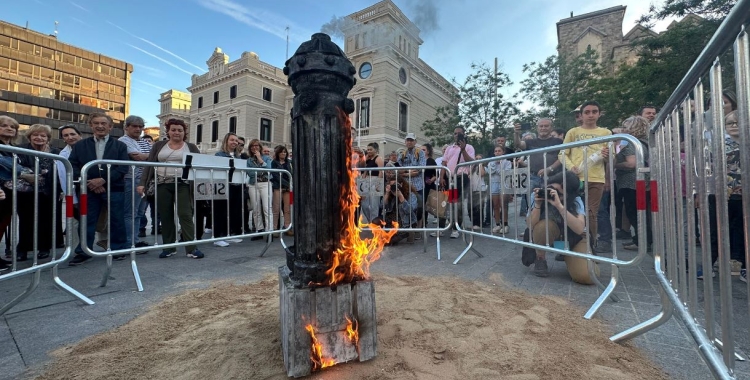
(136, 274)
(65, 287)
(720, 346)
(666, 312)
(607, 293)
(29, 289)
(269, 239)
(469, 247)
(107, 271)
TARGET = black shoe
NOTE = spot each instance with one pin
(559, 257)
(139, 245)
(153, 231)
(5, 265)
(256, 238)
(79, 259)
(142, 233)
(42, 255)
(118, 257)
(22, 256)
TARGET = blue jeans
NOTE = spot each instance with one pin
(142, 214)
(131, 204)
(604, 226)
(6, 168)
(95, 203)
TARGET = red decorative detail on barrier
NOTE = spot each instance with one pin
(68, 206)
(654, 197)
(291, 198)
(83, 204)
(640, 195)
(453, 196)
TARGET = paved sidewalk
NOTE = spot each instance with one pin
(49, 318)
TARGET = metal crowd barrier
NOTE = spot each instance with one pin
(509, 187)
(188, 171)
(702, 133)
(34, 211)
(372, 191)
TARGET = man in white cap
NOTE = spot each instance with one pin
(413, 157)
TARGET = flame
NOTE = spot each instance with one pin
(319, 362)
(352, 331)
(352, 260)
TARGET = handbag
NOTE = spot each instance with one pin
(437, 203)
(151, 188)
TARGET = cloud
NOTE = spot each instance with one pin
(151, 85)
(156, 46)
(266, 21)
(152, 71)
(79, 7)
(80, 21)
(160, 58)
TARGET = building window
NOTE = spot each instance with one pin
(265, 129)
(233, 92)
(199, 134)
(233, 124)
(363, 113)
(200, 102)
(216, 97)
(403, 116)
(266, 94)
(215, 131)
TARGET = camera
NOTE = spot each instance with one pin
(460, 137)
(525, 126)
(549, 193)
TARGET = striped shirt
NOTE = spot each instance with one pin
(135, 146)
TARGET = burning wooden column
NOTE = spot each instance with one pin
(327, 302)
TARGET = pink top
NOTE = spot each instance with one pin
(452, 156)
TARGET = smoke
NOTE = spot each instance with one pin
(425, 15)
(335, 27)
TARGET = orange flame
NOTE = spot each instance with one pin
(352, 330)
(319, 362)
(352, 260)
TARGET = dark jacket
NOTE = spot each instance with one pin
(44, 164)
(279, 181)
(153, 156)
(84, 151)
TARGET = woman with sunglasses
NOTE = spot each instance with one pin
(259, 187)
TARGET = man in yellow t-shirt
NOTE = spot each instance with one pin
(596, 155)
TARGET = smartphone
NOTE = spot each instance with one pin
(525, 126)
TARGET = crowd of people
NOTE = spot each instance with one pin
(567, 200)
(119, 196)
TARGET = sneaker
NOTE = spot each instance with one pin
(454, 235)
(78, 260)
(505, 229)
(142, 233)
(435, 234)
(256, 238)
(234, 240)
(624, 235)
(630, 247)
(141, 244)
(605, 247)
(165, 253)
(559, 257)
(496, 229)
(540, 268)
(207, 231)
(118, 257)
(743, 275)
(221, 243)
(476, 228)
(195, 254)
(102, 243)
(418, 236)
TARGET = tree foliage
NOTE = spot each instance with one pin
(482, 109)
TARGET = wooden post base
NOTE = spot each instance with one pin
(327, 310)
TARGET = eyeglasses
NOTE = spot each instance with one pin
(135, 125)
(242, 144)
(255, 145)
(731, 123)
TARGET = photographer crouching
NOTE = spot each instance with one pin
(547, 219)
(399, 205)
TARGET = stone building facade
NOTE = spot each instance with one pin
(174, 104)
(396, 92)
(246, 96)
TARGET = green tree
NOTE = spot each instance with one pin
(440, 129)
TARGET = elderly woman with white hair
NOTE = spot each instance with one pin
(48, 196)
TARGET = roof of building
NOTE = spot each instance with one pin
(601, 12)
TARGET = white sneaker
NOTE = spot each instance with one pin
(221, 243)
(454, 235)
(435, 234)
(506, 229)
(476, 228)
(207, 231)
(234, 240)
(496, 229)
